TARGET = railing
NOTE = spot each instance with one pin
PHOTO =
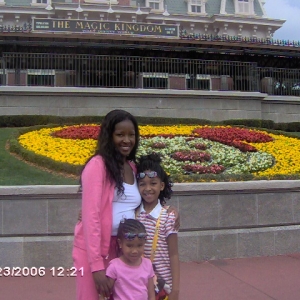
(36, 69)
(279, 81)
(25, 28)
(237, 39)
(126, 72)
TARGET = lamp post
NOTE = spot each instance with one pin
(79, 8)
(165, 13)
(49, 6)
(138, 12)
(110, 10)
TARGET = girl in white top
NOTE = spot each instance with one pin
(162, 248)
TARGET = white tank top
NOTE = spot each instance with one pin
(124, 205)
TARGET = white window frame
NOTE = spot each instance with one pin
(156, 5)
(100, 1)
(200, 77)
(155, 75)
(196, 6)
(40, 2)
(244, 7)
(41, 72)
(36, 3)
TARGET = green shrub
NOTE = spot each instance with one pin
(248, 122)
(293, 127)
(268, 124)
(33, 120)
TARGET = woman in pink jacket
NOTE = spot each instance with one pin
(109, 194)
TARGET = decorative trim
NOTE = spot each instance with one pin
(223, 7)
(261, 4)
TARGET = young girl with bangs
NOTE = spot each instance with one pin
(131, 274)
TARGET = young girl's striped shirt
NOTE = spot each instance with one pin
(166, 227)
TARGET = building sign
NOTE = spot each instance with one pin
(104, 27)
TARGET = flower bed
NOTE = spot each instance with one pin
(185, 149)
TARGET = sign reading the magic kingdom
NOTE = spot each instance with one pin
(104, 27)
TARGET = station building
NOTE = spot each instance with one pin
(161, 44)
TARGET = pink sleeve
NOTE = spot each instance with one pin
(111, 270)
(150, 267)
(92, 182)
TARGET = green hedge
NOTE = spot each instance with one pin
(32, 120)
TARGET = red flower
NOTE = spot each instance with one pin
(158, 145)
(191, 156)
(235, 137)
(78, 132)
(199, 169)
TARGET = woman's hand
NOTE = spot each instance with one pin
(172, 209)
(80, 216)
(102, 283)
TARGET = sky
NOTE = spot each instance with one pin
(288, 10)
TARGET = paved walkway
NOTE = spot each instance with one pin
(266, 278)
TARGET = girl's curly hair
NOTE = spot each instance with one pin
(152, 162)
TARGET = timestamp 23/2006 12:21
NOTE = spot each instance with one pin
(40, 272)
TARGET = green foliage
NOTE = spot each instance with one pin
(268, 124)
(292, 127)
(171, 121)
(40, 160)
(16, 172)
(33, 120)
(249, 123)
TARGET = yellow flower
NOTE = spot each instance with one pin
(285, 150)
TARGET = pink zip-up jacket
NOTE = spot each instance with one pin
(93, 233)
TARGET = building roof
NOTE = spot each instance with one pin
(212, 7)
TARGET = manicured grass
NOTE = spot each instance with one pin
(296, 133)
(16, 172)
